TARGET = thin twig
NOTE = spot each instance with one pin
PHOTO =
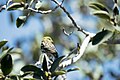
(47, 11)
(62, 2)
(75, 50)
(73, 21)
(43, 12)
(68, 34)
(2, 8)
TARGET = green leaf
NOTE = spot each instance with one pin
(14, 77)
(57, 73)
(19, 1)
(44, 64)
(117, 28)
(74, 69)
(2, 43)
(38, 76)
(98, 6)
(102, 14)
(38, 4)
(4, 53)
(20, 21)
(116, 10)
(56, 64)
(9, 49)
(115, 37)
(118, 23)
(115, 1)
(4, 48)
(101, 37)
(16, 6)
(28, 79)
(6, 64)
(31, 68)
(25, 74)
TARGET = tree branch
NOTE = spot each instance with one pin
(66, 32)
(80, 53)
(47, 11)
(43, 12)
(73, 21)
(2, 8)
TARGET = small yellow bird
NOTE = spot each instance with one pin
(48, 47)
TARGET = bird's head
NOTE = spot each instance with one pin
(48, 39)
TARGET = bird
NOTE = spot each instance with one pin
(48, 47)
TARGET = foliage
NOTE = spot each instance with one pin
(105, 41)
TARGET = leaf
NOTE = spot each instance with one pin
(16, 6)
(117, 28)
(38, 76)
(115, 36)
(20, 21)
(4, 53)
(38, 4)
(115, 1)
(116, 10)
(2, 43)
(74, 69)
(56, 64)
(31, 68)
(102, 14)
(19, 1)
(6, 64)
(57, 73)
(9, 49)
(14, 77)
(118, 23)
(25, 74)
(44, 64)
(28, 79)
(98, 6)
(101, 37)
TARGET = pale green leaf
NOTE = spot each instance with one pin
(38, 4)
(20, 21)
(16, 6)
(101, 37)
(102, 14)
(98, 6)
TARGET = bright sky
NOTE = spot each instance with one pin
(11, 32)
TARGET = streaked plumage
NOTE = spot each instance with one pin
(48, 47)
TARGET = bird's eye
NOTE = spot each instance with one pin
(49, 38)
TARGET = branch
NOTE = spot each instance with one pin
(66, 32)
(75, 50)
(2, 8)
(47, 11)
(80, 53)
(73, 21)
(43, 12)
(84, 44)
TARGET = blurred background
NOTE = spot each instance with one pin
(100, 62)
